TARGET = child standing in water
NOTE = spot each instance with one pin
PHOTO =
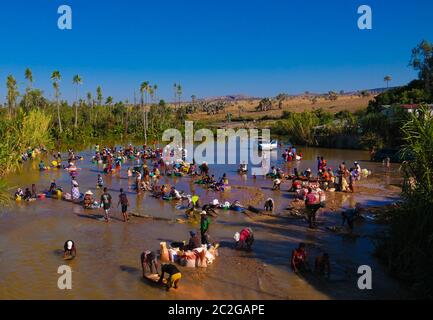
(123, 201)
(100, 182)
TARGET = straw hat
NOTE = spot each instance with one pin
(203, 213)
(89, 193)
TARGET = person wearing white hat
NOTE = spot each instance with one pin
(70, 249)
(88, 200)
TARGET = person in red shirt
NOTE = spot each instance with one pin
(299, 259)
(246, 239)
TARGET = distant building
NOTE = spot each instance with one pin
(409, 108)
(413, 107)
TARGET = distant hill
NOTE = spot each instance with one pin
(234, 97)
(244, 97)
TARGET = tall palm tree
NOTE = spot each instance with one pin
(151, 94)
(387, 79)
(179, 93)
(89, 99)
(29, 77)
(90, 104)
(155, 88)
(127, 116)
(144, 87)
(13, 93)
(99, 95)
(56, 77)
(175, 93)
(152, 100)
(77, 81)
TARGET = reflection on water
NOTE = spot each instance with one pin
(31, 235)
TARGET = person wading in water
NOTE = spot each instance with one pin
(106, 204)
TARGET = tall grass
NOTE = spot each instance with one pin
(26, 130)
(298, 127)
(5, 198)
(408, 247)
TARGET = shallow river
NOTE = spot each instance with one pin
(108, 267)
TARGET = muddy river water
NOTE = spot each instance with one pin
(108, 266)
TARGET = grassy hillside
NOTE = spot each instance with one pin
(246, 109)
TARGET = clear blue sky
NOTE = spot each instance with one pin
(258, 48)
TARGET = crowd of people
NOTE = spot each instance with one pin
(147, 165)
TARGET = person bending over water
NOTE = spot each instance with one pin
(27, 195)
(244, 239)
(149, 261)
(174, 276)
(269, 204)
(322, 265)
(70, 249)
(299, 259)
(351, 215)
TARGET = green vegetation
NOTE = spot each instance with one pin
(408, 247)
(34, 121)
(298, 126)
(377, 127)
(18, 134)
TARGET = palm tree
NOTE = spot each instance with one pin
(89, 99)
(179, 93)
(29, 77)
(155, 88)
(12, 87)
(56, 77)
(387, 79)
(144, 87)
(77, 81)
(90, 104)
(151, 94)
(175, 93)
(109, 101)
(99, 95)
(127, 116)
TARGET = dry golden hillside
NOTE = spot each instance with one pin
(247, 108)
